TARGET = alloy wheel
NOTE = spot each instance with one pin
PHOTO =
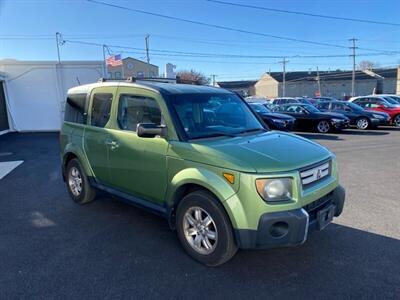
(200, 230)
(75, 181)
(323, 126)
(397, 121)
(362, 123)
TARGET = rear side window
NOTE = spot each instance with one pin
(101, 109)
(76, 109)
(323, 105)
(133, 110)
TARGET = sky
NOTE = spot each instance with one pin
(27, 32)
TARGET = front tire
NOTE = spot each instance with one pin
(323, 126)
(396, 121)
(204, 229)
(78, 184)
(363, 123)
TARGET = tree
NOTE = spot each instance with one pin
(192, 77)
(367, 65)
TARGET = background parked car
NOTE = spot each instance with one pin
(323, 99)
(358, 116)
(394, 97)
(308, 117)
(306, 100)
(284, 100)
(380, 104)
(274, 120)
(377, 99)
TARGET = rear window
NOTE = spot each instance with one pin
(101, 108)
(76, 109)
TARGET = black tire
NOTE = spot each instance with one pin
(87, 192)
(363, 123)
(326, 124)
(396, 120)
(225, 246)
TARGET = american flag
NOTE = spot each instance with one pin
(114, 60)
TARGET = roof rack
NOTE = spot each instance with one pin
(134, 79)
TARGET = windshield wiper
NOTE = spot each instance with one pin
(214, 134)
(251, 130)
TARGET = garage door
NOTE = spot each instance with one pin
(3, 109)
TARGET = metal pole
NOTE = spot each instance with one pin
(104, 62)
(213, 79)
(353, 77)
(284, 62)
(58, 35)
(319, 83)
(147, 54)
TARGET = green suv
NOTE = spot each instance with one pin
(201, 158)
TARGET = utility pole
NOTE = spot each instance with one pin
(353, 78)
(146, 39)
(59, 42)
(213, 79)
(319, 83)
(283, 62)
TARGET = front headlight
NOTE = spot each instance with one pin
(378, 116)
(275, 189)
(336, 120)
(278, 121)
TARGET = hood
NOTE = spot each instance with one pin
(277, 116)
(266, 152)
(370, 113)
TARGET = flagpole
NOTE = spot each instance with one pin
(104, 62)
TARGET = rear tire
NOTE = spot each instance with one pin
(204, 229)
(324, 126)
(78, 184)
(363, 123)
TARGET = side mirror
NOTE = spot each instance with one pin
(150, 130)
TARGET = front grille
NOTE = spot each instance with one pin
(315, 174)
(313, 207)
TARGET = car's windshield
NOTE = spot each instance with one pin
(391, 100)
(354, 106)
(396, 98)
(311, 108)
(204, 115)
(260, 108)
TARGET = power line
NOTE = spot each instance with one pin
(304, 13)
(214, 25)
(171, 53)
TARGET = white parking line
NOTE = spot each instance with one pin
(7, 166)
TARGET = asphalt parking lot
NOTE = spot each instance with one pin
(53, 248)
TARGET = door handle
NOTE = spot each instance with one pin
(113, 144)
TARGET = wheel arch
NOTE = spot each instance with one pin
(193, 179)
(72, 152)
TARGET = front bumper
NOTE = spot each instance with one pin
(290, 228)
(341, 125)
(285, 125)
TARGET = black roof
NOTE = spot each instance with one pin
(387, 73)
(176, 88)
(237, 84)
(324, 75)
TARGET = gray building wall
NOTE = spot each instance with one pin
(267, 86)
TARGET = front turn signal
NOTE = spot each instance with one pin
(229, 177)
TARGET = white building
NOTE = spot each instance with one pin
(32, 93)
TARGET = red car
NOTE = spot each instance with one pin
(373, 103)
